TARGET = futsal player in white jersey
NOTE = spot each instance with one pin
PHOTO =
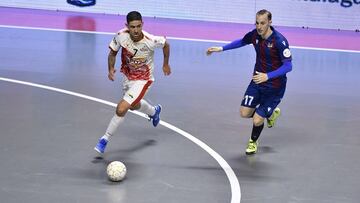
(137, 65)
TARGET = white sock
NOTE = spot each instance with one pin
(113, 125)
(146, 108)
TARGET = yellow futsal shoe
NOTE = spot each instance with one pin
(252, 147)
(274, 116)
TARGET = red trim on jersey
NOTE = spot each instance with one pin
(253, 39)
(124, 53)
(143, 91)
(262, 52)
(276, 83)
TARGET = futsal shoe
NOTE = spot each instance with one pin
(156, 117)
(274, 116)
(252, 147)
(101, 145)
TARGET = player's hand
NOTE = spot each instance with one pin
(111, 74)
(213, 49)
(260, 77)
(166, 69)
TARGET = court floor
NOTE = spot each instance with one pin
(51, 119)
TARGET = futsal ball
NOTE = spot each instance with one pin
(116, 171)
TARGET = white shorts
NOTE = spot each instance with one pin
(135, 90)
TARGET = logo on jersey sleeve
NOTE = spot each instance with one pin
(286, 53)
(114, 41)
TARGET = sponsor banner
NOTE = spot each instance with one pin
(331, 14)
(81, 3)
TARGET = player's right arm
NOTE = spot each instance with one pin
(111, 64)
(114, 47)
(210, 50)
(232, 45)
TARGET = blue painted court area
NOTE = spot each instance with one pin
(47, 137)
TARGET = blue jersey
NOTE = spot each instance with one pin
(271, 53)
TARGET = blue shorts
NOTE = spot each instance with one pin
(264, 99)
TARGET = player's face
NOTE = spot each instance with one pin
(135, 30)
(263, 25)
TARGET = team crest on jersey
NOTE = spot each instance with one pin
(286, 53)
(256, 41)
(270, 45)
(137, 61)
(144, 49)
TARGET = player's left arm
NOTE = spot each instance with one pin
(260, 77)
(285, 56)
(282, 70)
(166, 52)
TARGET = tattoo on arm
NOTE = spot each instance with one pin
(166, 51)
(111, 59)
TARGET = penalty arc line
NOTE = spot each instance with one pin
(234, 182)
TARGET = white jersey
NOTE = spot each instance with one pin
(137, 58)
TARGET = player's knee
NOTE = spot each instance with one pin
(258, 121)
(121, 111)
(245, 114)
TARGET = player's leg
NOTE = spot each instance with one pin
(273, 111)
(156, 116)
(271, 121)
(250, 101)
(247, 110)
(138, 91)
(267, 104)
(258, 126)
(121, 110)
(266, 109)
(152, 111)
(144, 107)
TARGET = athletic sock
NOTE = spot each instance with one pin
(113, 125)
(256, 131)
(146, 108)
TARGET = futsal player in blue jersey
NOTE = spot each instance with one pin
(268, 84)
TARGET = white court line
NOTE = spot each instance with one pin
(234, 182)
(175, 38)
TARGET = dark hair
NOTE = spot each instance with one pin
(133, 15)
(264, 11)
